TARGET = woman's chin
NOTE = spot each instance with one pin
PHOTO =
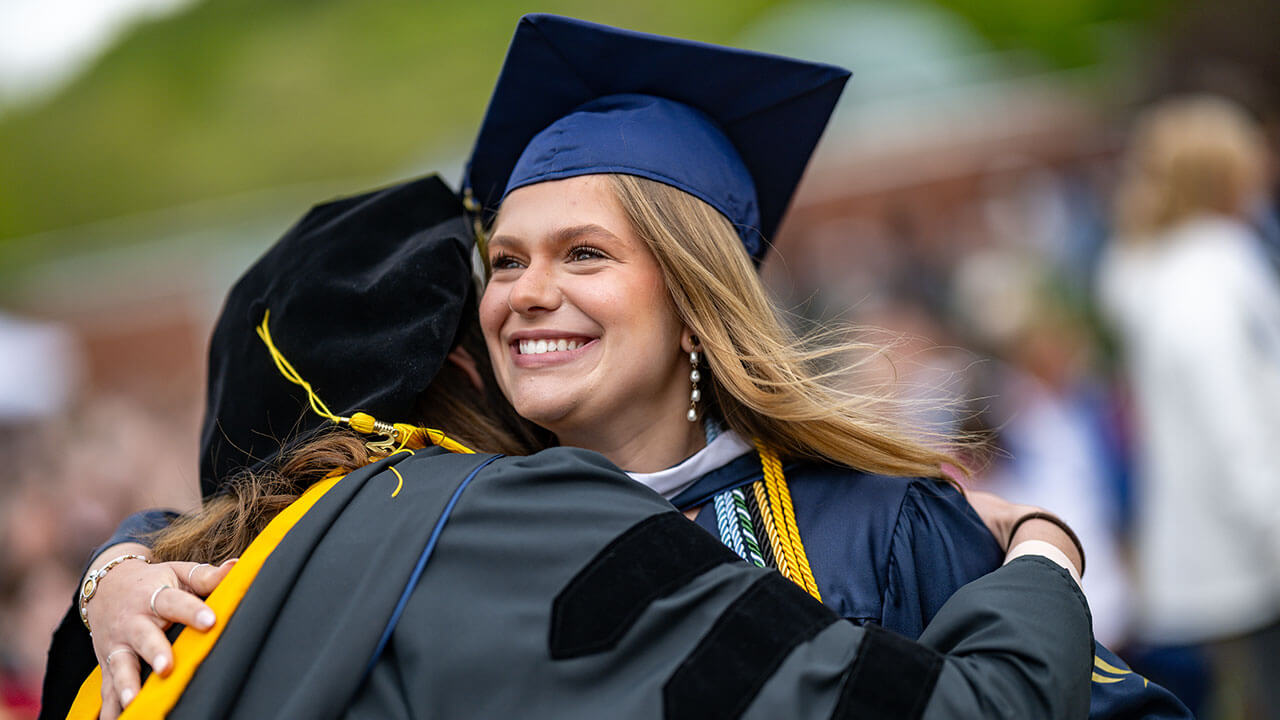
(548, 415)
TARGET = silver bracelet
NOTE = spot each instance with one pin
(91, 582)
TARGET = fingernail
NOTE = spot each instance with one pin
(161, 664)
(126, 697)
(205, 619)
(231, 562)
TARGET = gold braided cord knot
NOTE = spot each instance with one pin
(423, 436)
(784, 523)
(408, 436)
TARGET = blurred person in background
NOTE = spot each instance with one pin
(1188, 288)
(58, 497)
(1044, 408)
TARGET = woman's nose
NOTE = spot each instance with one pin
(535, 290)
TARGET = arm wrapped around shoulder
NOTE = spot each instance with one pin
(1018, 644)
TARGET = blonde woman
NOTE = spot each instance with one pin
(1197, 308)
(626, 200)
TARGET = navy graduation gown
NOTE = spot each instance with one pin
(890, 551)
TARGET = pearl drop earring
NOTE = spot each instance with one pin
(696, 394)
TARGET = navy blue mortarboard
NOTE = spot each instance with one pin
(732, 127)
(365, 296)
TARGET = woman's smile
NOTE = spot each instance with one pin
(542, 349)
(539, 347)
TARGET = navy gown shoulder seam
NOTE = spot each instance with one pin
(892, 560)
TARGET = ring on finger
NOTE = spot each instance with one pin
(193, 569)
(155, 595)
(107, 659)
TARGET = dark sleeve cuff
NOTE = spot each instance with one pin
(137, 528)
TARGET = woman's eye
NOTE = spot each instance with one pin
(585, 252)
(503, 262)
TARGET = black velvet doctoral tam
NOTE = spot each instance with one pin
(365, 296)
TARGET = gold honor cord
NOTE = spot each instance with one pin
(780, 522)
(396, 436)
(771, 532)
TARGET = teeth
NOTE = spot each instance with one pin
(538, 347)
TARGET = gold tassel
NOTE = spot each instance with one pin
(395, 436)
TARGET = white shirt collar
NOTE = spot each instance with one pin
(672, 481)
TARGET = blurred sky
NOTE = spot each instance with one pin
(44, 43)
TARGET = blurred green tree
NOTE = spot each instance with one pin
(236, 96)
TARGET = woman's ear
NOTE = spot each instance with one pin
(467, 364)
(689, 341)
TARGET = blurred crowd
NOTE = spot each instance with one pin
(1108, 321)
(61, 498)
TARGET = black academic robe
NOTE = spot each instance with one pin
(891, 550)
(442, 585)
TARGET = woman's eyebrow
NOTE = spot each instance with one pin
(563, 235)
(502, 240)
(577, 231)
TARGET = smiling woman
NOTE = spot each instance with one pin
(628, 211)
(628, 201)
(568, 269)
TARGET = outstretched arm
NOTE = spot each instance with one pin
(1013, 644)
(1017, 644)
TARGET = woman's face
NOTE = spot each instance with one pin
(583, 335)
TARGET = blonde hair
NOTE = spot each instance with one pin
(765, 382)
(1188, 156)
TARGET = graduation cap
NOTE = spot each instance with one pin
(363, 299)
(732, 127)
